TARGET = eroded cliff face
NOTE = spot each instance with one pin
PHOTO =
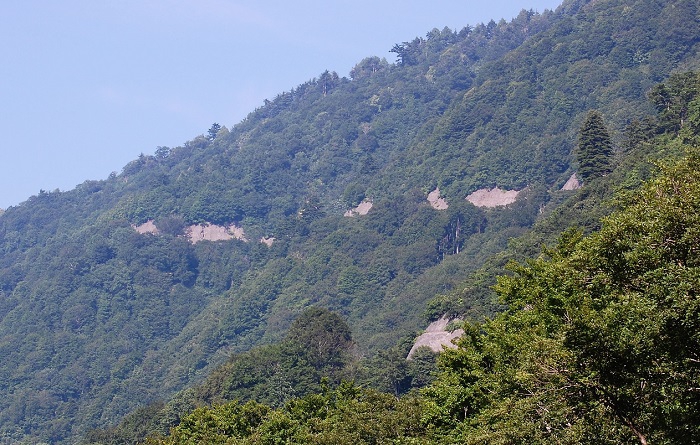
(437, 337)
(494, 197)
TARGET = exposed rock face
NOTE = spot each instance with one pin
(212, 232)
(572, 184)
(147, 227)
(436, 337)
(493, 197)
(436, 201)
(362, 209)
(204, 232)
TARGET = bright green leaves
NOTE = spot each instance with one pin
(600, 339)
(346, 415)
(218, 424)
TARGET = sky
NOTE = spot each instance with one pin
(87, 86)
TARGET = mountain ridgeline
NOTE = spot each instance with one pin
(125, 291)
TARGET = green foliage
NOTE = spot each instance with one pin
(599, 338)
(673, 100)
(133, 429)
(595, 150)
(217, 424)
(317, 345)
(678, 102)
(213, 131)
(96, 318)
(322, 336)
(345, 415)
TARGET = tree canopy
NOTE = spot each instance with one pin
(107, 301)
(594, 151)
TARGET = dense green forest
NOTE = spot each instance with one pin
(107, 305)
(598, 342)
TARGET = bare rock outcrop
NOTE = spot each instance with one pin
(362, 209)
(436, 201)
(572, 184)
(493, 197)
(212, 232)
(436, 337)
(147, 227)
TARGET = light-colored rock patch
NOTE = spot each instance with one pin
(147, 227)
(436, 201)
(267, 240)
(493, 197)
(212, 232)
(572, 184)
(436, 337)
(362, 209)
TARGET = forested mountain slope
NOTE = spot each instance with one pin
(599, 345)
(97, 317)
(597, 341)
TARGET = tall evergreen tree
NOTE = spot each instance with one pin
(594, 147)
(213, 131)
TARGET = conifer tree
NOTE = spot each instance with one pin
(594, 147)
(213, 131)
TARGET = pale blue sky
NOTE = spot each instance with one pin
(86, 86)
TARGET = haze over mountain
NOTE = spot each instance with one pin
(354, 194)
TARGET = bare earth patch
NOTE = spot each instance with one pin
(267, 240)
(212, 232)
(205, 232)
(147, 227)
(436, 201)
(436, 337)
(493, 197)
(572, 184)
(362, 209)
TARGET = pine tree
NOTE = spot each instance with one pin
(213, 131)
(594, 147)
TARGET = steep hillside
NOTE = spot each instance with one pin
(598, 345)
(97, 317)
(597, 339)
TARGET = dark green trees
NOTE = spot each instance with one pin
(213, 131)
(317, 345)
(322, 336)
(594, 147)
(678, 102)
(672, 99)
